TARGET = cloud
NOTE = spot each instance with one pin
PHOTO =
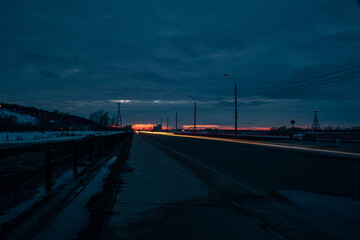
(165, 50)
(49, 75)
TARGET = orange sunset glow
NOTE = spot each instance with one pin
(146, 127)
(149, 127)
(220, 127)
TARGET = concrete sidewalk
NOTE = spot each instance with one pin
(161, 200)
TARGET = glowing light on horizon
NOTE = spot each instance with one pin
(121, 101)
(222, 127)
(147, 127)
(186, 127)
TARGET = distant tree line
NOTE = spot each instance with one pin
(99, 120)
(10, 123)
(51, 121)
(292, 130)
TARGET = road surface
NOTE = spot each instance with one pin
(293, 192)
(160, 199)
(263, 169)
(164, 186)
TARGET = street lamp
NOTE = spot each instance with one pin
(236, 116)
(194, 112)
(167, 123)
(176, 118)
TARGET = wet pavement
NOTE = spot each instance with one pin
(160, 199)
(216, 191)
(62, 212)
(293, 194)
(75, 216)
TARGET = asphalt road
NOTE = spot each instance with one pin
(264, 169)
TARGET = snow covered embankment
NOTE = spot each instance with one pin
(20, 118)
(35, 137)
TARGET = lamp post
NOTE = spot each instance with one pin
(176, 119)
(167, 123)
(236, 117)
(194, 112)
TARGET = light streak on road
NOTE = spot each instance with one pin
(259, 143)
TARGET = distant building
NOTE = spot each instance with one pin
(157, 128)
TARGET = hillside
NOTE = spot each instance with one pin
(16, 117)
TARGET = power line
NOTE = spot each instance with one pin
(309, 90)
(330, 84)
(306, 80)
(323, 82)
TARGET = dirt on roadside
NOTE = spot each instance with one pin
(100, 205)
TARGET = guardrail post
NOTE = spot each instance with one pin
(90, 152)
(100, 143)
(48, 170)
(76, 149)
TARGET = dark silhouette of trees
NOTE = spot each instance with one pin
(100, 118)
(8, 123)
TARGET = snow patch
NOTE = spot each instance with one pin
(51, 136)
(20, 118)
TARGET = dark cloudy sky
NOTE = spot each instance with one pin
(79, 56)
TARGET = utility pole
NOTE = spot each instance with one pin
(161, 125)
(195, 116)
(167, 123)
(316, 124)
(118, 118)
(194, 112)
(236, 116)
(176, 119)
